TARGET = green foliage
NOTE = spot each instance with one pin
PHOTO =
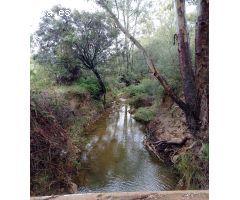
(74, 42)
(40, 182)
(151, 87)
(161, 48)
(40, 77)
(129, 78)
(70, 90)
(205, 152)
(134, 90)
(89, 84)
(141, 101)
(143, 95)
(113, 84)
(188, 168)
(166, 61)
(146, 87)
(144, 115)
(76, 164)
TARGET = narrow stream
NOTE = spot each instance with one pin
(117, 160)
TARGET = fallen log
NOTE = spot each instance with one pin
(166, 149)
(173, 141)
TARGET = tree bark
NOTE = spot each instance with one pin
(202, 62)
(102, 91)
(186, 70)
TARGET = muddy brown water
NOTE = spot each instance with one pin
(116, 159)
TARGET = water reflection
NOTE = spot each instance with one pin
(117, 160)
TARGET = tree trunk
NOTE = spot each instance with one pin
(186, 70)
(125, 13)
(102, 91)
(152, 69)
(190, 106)
(202, 62)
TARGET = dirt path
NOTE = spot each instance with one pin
(164, 195)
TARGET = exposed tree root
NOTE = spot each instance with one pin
(168, 138)
(166, 149)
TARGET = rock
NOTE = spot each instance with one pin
(73, 188)
(174, 158)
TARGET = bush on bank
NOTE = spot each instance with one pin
(144, 115)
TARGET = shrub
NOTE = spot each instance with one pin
(141, 101)
(113, 84)
(51, 102)
(146, 87)
(129, 78)
(144, 115)
(91, 85)
(151, 87)
(188, 166)
(40, 77)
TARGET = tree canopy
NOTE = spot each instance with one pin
(78, 41)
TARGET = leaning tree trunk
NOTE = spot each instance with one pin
(186, 70)
(169, 90)
(102, 91)
(191, 104)
(202, 62)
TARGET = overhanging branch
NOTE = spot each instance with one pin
(167, 87)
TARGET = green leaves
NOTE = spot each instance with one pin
(205, 152)
(146, 87)
(144, 115)
(91, 85)
(75, 42)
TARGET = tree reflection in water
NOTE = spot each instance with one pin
(118, 161)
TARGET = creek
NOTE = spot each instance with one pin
(116, 159)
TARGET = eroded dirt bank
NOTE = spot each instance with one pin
(170, 140)
(58, 120)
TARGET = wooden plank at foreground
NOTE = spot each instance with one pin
(163, 195)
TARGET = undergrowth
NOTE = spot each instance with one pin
(145, 87)
(57, 136)
(205, 152)
(144, 115)
(51, 150)
(88, 84)
(193, 169)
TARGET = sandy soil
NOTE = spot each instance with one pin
(164, 195)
